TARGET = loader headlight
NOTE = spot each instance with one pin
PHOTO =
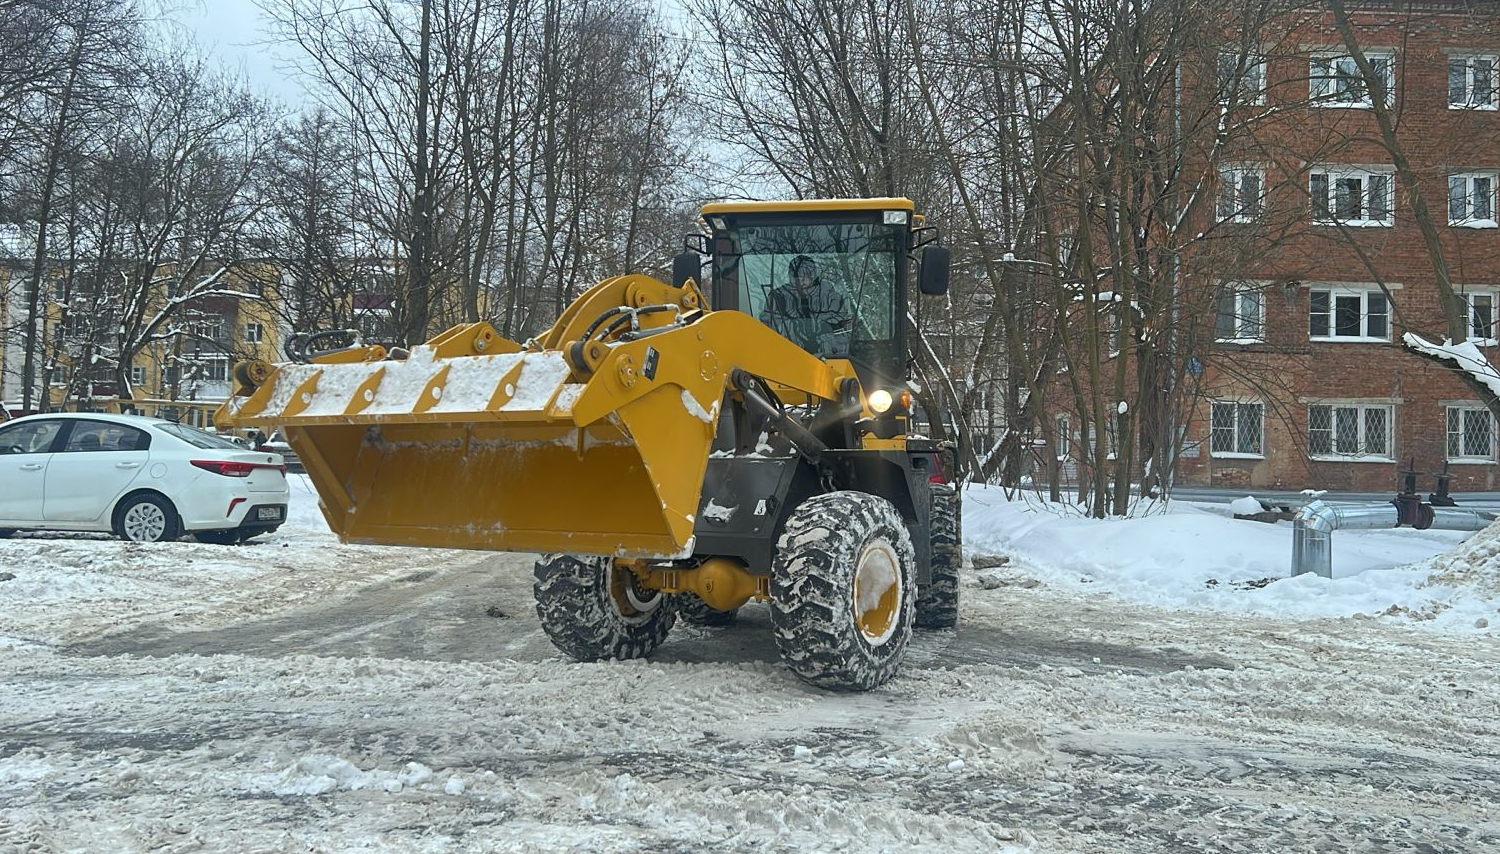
(880, 401)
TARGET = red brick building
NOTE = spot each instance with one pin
(1305, 383)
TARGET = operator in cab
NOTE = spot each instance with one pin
(811, 314)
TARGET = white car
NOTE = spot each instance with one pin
(145, 479)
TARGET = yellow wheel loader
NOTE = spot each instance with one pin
(673, 450)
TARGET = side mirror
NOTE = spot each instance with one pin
(686, 265)
(932, 273)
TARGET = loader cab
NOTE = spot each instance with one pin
(851, 307)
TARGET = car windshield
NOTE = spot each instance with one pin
(830, 288)
(197, 438)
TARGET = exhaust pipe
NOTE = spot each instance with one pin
(1314, 524)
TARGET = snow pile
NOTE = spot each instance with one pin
(1195, 556)
(317, 774)
(1247, 506)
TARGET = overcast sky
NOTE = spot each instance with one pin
(236, 34)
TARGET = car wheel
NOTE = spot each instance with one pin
(217, 538)
(147, 518)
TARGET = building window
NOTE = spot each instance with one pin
(1336, 81)
(137, 375)
(1471, 82)
(1241, 192)
(1471, 199)
(1354, 197)
(1349, 431)
(1241, 314)
(1481, 310)
(254, 333)
(216, 370)
(210, 327)
(1242, 78)
(1356, 315)
(1235, 429)
(1064, 437)
(1471, 434)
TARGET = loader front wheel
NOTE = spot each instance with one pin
(594, 611)
(937, 602)
(842, 591)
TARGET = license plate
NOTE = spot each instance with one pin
(265, 513)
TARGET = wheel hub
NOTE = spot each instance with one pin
(877, 592)
(145, 523)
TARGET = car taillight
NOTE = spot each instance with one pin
(937, 478)
(226, 468)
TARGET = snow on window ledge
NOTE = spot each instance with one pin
(1472, 461)
(1235, 455)
(1473, 223)
(1349, 458)
(1239, 340)
(1347, 339)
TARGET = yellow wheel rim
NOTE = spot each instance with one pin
(630, 598)
(877, 592)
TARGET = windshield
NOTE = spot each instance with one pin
(197, 438)
(829, 288)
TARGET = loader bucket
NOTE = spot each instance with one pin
(509, 452)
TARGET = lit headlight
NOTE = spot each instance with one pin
(880, 400)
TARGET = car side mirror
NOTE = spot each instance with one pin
(932, 272)
(686, 265)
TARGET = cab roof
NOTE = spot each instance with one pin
(809, 205)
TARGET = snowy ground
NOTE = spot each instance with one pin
(1148, 685)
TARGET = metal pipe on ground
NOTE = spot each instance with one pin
(1314, 524)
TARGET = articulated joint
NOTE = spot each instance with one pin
(723, 583)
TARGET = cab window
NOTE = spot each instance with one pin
(829, 288)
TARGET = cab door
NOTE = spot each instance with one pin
(25, 452)
(96, 463)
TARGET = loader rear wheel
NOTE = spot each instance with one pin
(842, 591)
(937, 602)
(594, 611)
(691, 609)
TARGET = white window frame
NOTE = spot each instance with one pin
(255, 333)
(1333, 74)
(1473, 308)
(1233, 206)
(1246, 330)
(210, 326)
(1469, 66)
(1333, 175)
(215, 363)
(1239, 433)
(1463, 456)
(1251, 88)
(1063, 425)
(1361, 427)
(1471, 209)
(137, 376)
(1364, 294)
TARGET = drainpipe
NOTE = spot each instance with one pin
(1314, 524)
